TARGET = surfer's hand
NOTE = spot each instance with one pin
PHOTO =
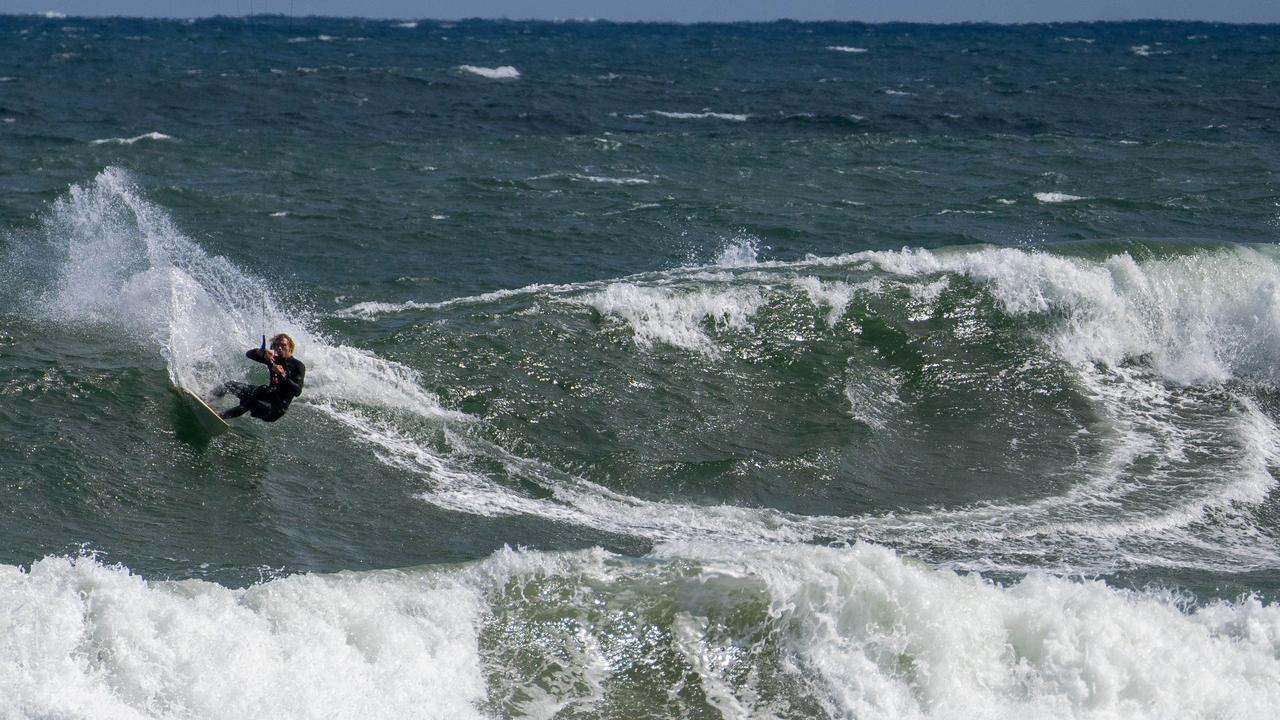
(270, 356)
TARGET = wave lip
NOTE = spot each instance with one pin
(504, 72)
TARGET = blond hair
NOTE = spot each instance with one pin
(286, 338)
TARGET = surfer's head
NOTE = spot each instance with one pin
(282, 345)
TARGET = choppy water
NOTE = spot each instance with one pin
(790, 370)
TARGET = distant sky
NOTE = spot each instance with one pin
(686, 10)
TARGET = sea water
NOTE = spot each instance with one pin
(782, 370)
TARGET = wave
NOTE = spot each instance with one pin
(1160, 355)
(749, 631)
(505, 72)
(739, 252)
(132, 140)
(599, 179)
(1053, 198)
(704, 115)
(1195, 318)
(846, 49)
(1162, 352)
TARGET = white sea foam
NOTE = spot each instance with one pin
(504, 72)
(1147, 51)
(614, 180)
(81, 639)
(704, 115)
(599, 179)
(860, 632)
(451, 486)
(132, 140)
(372, 310)
(835, 296)
(409, 25)
(846, 49)
(573, 500)
(887, 639)
(1053, 198)
(677, 317)
(1198, 318)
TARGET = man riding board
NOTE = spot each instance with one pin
(268, 402)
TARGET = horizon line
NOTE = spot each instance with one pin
(54, 15)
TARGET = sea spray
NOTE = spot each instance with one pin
(123, 264)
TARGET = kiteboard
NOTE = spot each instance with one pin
(209, 418)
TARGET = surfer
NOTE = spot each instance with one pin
(268, 402)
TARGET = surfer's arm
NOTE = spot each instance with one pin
(292, 382)
(266, 358)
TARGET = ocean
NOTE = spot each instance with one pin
(774, 370)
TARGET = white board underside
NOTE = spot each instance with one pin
(208, 417)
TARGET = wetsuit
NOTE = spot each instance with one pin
(266, 402)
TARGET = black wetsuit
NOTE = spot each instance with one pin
(267, 402)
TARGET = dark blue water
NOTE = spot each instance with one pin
(760, 370)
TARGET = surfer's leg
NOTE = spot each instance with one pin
(231, 387)
(260, 406)
(265, 412)
(250, 400)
